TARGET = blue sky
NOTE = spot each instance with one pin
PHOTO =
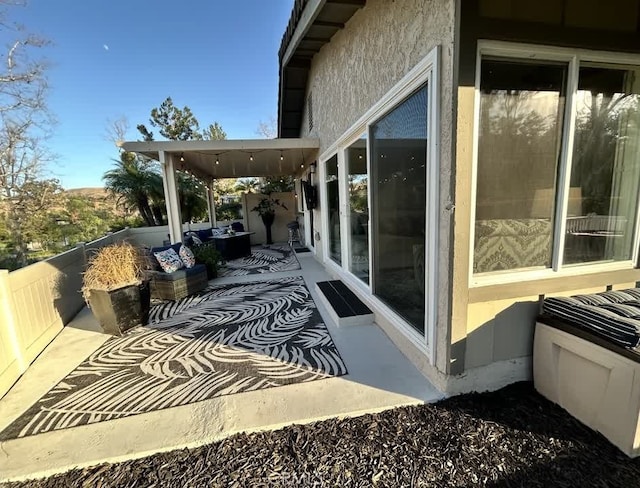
(114, 58)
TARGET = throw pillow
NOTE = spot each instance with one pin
(196, 240)
(217, 232)
(169, 260)
(187, 257)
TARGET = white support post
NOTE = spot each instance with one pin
(171, 197)
(211, 204)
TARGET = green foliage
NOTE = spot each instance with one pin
(119, 223)
(214, 132)
(267, 206)
(137, 185)
(208, 255)
(278, 184)
(229, 211)
(193, 203)
(179, 124)
(247, 185)
(172, 122)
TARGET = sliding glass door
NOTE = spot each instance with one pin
(398, 188)
(380, 206)
(333, 208)
(358, 221)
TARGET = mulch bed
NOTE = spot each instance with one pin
(512, 437)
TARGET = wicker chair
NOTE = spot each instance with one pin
(179, 284)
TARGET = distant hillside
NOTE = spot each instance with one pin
(100, 198)
(96, 192)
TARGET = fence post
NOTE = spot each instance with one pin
(9, 320)
(83, 249)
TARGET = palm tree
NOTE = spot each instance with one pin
(193, 203)
(136, 185)
(248, 185)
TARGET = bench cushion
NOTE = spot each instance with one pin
(612, 315)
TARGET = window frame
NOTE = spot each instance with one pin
(573, 58)
(426, 71)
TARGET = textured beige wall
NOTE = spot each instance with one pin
(502, 329)
(494, 323)
(377, 47)
(253, 222)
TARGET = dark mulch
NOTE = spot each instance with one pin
(512, 437)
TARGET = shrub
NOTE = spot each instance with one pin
(113, 267)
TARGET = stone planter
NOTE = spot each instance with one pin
(121, 309)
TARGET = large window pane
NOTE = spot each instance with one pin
(333, 210)
(398, 161)
(358, 209)
(605, 171)
(520, 127)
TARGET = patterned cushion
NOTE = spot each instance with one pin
(169, 260)
(217, 231)
(502, 244)
(187, 257)
(614, 315)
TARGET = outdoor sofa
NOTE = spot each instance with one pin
(177, 284)
(206, 235)
(586, 358)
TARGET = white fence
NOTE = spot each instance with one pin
(36, 302)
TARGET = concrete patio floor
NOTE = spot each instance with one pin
(379, 377)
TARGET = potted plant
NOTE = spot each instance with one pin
(266, 208)
(115, 288)
(208, 255)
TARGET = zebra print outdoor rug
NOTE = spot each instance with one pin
(227, 339)
(263, 259)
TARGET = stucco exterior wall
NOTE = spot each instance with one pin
(378, 46)
(493, 324)
(253, 221)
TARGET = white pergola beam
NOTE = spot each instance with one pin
(221, 145)
(234, 158)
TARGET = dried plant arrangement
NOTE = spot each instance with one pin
(113, 267)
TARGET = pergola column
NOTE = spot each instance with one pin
(171, 196)
(211, 204)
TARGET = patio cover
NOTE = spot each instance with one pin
(229, 158)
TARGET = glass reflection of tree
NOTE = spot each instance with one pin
(600, 118)
(358, 193)
(518, 150)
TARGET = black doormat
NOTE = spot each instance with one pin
(227, 339)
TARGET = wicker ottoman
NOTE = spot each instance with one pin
(179, 284)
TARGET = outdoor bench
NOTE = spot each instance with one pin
(178, 284)
(586, 358)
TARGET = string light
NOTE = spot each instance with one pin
(182, 157)
(251, 157)
(281, 156)
(217, 159)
